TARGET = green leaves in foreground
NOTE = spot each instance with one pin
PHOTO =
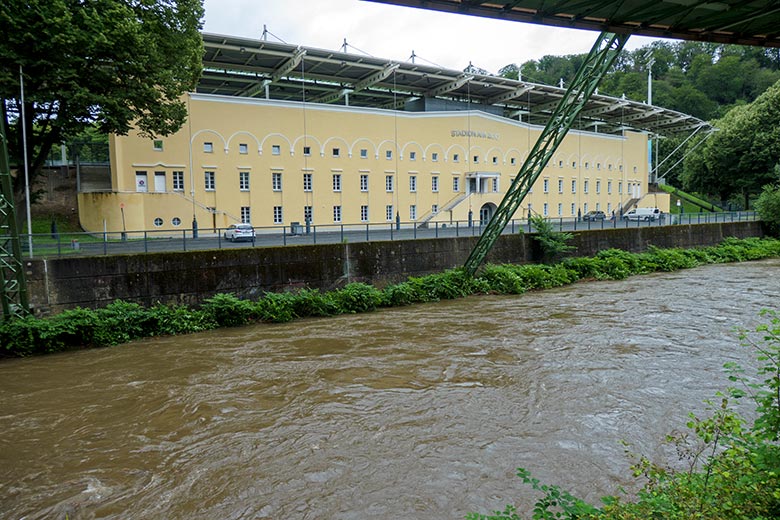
(731, 470)
(121, 321)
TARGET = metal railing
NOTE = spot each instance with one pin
(148, 241)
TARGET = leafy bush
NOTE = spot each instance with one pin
(276, 307)
(404, 293)
(311, 302)
(226, 310)
(172, 319)
(553, 243)
(503, 279)
(768, 207)
(357, 297)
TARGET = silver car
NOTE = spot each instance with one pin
(240, 232)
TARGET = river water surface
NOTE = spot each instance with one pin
(422, 412)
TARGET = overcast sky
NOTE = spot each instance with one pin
(393, 32)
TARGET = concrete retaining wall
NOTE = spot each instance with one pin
(189, 277)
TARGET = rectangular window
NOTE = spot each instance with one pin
(209, 182)
(276, 149)
(560, 209)
(336, 182)
(512, 161)
(620, 187)
(544, 209)
(435, 184)
(412, 183)
(278, 219)
(412, 156)
(307, 182)
(388, 154)
(243, 149)
(363, 213)
(208, 147)
(413, 212)
(573, 186)
(495, 160)
(434, 156)
(546, 185)
(585, 186)
(307, 151)
(609, 207)
(307, 214)
(585, 208)
(336, 153)
(363, 182)
(434, 208)
(494, 184)
(178, 181)
(388, 183)
(276, 181)
(609, 187)
(476, 159)
(560, 185)
(598, 206)
(243, 181)
(598, 186)
(456, 184)
(157, 144)
(363, 153)
(389, 212)
(246, 215)
(573, 209)
(336, 213)
(455, 157)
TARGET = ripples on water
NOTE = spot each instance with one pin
(417, 412)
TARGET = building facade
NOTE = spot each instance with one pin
(270, 163)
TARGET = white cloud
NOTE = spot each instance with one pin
(393, 32)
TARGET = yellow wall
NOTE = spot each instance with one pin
(423, 145)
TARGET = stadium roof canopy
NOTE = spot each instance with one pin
(246, 67)
(743, 22)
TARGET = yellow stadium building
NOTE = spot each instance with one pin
(278, 134)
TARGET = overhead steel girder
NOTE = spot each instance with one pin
(449, 87)
(13, 292)
(590, 73)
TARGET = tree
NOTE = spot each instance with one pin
(111, 63)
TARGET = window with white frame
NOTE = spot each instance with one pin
(435, 184)
(585, 186)
(434, 208)
(609, 187)
(434, 156)
(495, 160)
(208, 147)
(307, 182)
(308, 214)
(546, 185)
(512, 161)
(363, 182)
(276, 181)
(574, 185)
(573, 209)
(475, 159)
(587, 165)
(363, 213)
(389, 212)
(585, 207)
(278, 217)
(276, 149)
(363, 153)
(307, 151)
(413, 212)
(243, 148)
(544, 209)
(336, 213)
(494, 184)
(620, 187)
(243, 181)
(574, 164)
(560, 164)
(336, 153)
(412, 156)
(560, 185)
(598, 206)
(178, 181)
(388, 154)
(246, 215)
(609, 207)
(336, 182)
(157, 145)
(560, 209)
(412, 183)
(456, 184)
(455, 157)
(209, 182)
(388, 183)
(598, 186)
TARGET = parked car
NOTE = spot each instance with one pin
(594, 215)
(643, 214)
(240, 232)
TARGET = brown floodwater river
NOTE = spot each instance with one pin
(421, 412)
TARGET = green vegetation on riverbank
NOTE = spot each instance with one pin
(731, 466)
(122, 321)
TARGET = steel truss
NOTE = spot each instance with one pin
(13, 293)
(595, 67)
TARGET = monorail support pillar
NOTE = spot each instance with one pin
(593, 69)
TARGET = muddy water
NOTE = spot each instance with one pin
(419, 412)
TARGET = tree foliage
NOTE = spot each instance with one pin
(110, 63)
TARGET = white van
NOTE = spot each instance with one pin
(642, 214)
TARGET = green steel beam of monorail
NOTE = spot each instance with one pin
(13, 292)
(590, 73)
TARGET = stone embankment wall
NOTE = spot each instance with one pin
(189, 277)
